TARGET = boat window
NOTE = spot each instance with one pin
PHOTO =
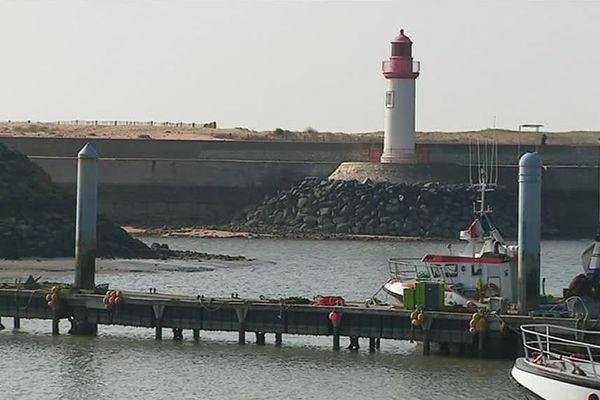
(436, 271)
(451, 270)
(476, 270)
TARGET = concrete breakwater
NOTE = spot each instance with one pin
(158, 183)
(330, 206)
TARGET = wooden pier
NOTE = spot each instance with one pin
(448, 330)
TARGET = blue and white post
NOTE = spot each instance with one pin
(87, 214)
(530, 199)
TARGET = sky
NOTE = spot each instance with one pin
(300, 64)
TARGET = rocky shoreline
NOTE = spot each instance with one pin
(330, 208)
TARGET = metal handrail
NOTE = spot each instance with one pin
(545, 342)
(408, 268)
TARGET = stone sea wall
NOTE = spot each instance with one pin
(343, 207)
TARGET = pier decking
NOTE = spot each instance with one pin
(271, 316)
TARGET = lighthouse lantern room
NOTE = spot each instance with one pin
(401, 71)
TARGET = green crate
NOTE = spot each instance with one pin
(409, 299)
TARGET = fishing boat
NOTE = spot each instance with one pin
(559, 363)
(486, 266)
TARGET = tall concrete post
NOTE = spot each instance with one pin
(87, 211)
(530, 199)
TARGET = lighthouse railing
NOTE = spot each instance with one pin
(394, 66)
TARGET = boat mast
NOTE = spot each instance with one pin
(487, 174)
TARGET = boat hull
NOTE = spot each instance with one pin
(540, 383)
(395, 289)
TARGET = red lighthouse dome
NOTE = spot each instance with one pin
(401, 64)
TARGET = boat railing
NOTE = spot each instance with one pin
(409, 268)
(546, 343)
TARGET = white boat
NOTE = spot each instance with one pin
(559, 363)
(486, 267)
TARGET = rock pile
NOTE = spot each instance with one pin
(328, 206)
(37, 218)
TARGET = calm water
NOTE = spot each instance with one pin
(124, 363)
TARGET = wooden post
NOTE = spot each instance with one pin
(426, 344)
(158, 311)
(354, 346)
(260, 339)
(55, 325)
(378, 343)
(80, 324)
(480, 345)
(196, 334)
(178, 334)
(278, 339)
(426, 326)
(241, 313)
(336, 340)
(372, 345)
(242, 335)
(16, 323)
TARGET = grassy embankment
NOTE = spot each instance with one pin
(501, 136)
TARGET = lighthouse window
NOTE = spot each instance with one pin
(389, 99)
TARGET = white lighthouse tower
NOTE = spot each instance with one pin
(401, 72)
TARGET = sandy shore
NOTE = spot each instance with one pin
(209, 233)
(55, 268)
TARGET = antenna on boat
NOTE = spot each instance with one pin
(483, 172)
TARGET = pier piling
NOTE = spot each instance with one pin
(480, 344)
(426, 345)
(260, 339)
(16, 323)
(336, 342)
(372, 345)
(55, 326)
(354, 345)
(196, 334)
(530, 189)
(85, 233)
(86, 215)
(177, 334)
(278, 339)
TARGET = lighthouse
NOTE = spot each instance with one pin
(401, 71)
